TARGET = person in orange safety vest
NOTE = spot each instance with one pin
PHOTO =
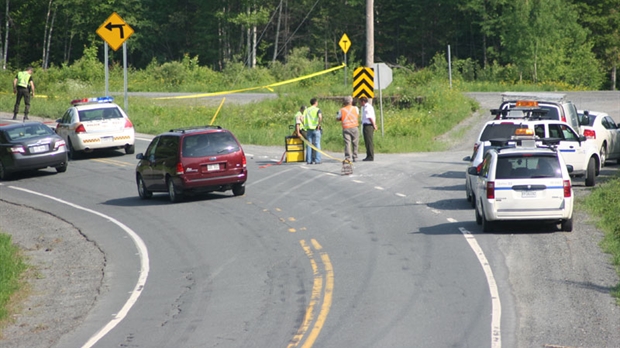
(349, 116)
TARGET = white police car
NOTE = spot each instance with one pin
(523, 180)
(96, 123)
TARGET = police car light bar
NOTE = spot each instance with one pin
(107, 99)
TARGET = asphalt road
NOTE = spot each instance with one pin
(385, 257)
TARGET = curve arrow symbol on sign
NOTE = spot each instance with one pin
(111, 26)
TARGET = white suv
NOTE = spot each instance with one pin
(582, 154)
(523, 180)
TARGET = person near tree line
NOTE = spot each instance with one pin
(312, 123)
(23, 87)
(300, 131)
(369, 125)
(349, 116)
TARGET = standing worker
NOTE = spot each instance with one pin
(312, 123)
(349, 116)
(23, 87)
(369, 126)
(300, 131)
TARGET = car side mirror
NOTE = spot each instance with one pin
(584, 120)
(140, 156)
(569, 167)
(467, 158)
(582, 138)
(472, 171)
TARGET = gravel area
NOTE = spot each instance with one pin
(64, 280)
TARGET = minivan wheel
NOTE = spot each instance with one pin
(142, 190)
(478, 217)
(130, 149)
(172, 193)
(238, 189)
(567, 225)
(487, 226)
(591, 172)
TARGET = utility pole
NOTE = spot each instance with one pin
(370, 33)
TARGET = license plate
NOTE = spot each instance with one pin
(211, 167)
(528, 194)
(39, 149)
(107, 139)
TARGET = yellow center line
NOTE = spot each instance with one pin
(318, 291)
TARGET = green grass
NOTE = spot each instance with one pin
(12, 267)
(604, 204)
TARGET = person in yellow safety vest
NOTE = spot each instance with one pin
(312, 123)
(300, 131)
(349, 116)
(23, 87)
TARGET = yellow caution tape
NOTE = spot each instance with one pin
(217, 111)
(267, 87)
(321, 152)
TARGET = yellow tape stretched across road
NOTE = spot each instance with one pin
(321, 152)
(268, 87)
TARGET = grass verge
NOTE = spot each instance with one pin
(604, 204)
(12, 268)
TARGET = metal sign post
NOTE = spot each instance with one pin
(383, 78)
(115, 32)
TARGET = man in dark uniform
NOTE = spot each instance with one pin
(23, 87)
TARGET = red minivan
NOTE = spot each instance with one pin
(192, 160)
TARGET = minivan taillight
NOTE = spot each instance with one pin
(490, 190)
(180, 168)
(563, 119)
(567, 189)
(589, 133)
(244, 161)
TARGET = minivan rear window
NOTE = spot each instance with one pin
(209, 144)
(528, 166)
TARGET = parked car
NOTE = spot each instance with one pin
(524, 180)
(604, 131)
(577, 151)
(30, 146)
(192, 160)
(95, 123)
(556, 105)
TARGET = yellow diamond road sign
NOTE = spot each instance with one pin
(363, 83)
(344, 43)
(114, 31)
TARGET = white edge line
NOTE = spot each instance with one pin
(496, 316)
(144, 266)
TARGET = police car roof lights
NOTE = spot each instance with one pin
(100, 100)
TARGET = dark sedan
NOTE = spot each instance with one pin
(30, 146)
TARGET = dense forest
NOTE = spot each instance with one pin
(572, 41)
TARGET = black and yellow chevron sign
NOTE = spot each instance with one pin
(364, 83)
